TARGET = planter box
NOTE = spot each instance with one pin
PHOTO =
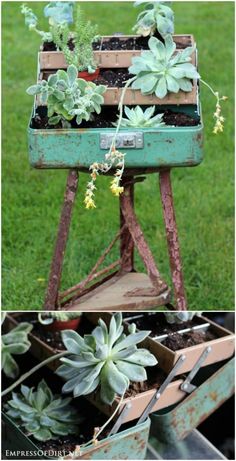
(128, 444)
(222, 348)
(164, 147)
(171, 395)
(173, 425)
(105, 59)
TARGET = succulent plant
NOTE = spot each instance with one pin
(47, 318)
(107, 358)
(138, 118)
(156, 16)
(180, 317)
(14, 343)
(160, 71)
(43, 415)
(59, 12)
(82, 37)
(67, 96)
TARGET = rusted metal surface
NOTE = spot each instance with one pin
(172, 240)
(159, 286)
(62, 236)
(126, 241)
(127, 444)
(198, 406)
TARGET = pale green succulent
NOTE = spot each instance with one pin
(15, 342)
(159, 71)
(47, 318)
(106, 359)
(137, 118)
(67, 96)
(157, 16)
(180, 317)
(41, 414)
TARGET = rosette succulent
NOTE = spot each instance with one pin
(14, 343)
(67, 96)
(160, 70)
(180, 317)
(106, 359)
(156, 16)
(138, 118)
(41, 414)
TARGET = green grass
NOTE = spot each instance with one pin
(204, 198)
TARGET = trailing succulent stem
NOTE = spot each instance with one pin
(106, 359)
(15, 342)
(41, 414)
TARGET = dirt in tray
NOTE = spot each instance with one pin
(155, 379)
(117, 43)
(113, 77)
(159, 326)
(178, 341)
(53, 338)
(109, 115)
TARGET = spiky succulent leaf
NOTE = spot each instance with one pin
(138, 118)
(156, 16)
(180, 317)
(43, 415)
(159, 71)
(67, 96)
(14, 343)
(107, 358)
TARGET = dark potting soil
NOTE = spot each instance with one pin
(113, 77)
(159, 326)
(178, 341)
(108, 116)
(116, 43)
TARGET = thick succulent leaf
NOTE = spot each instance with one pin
(62, 75)
(19, 348)
(83, 388)
(32, 426)
(131, 340)
(33, 90)
(107, 394)
(161, 88)
(102, 352)
(10, 366)
(132, 371)
(71, 334)
(72, 73)
(46, 390)
(79, 363)
(43, 434)
(124, 353)
(52, 79)
(117, 381)
(142, 357)
(99, 335)
(94, 373)
(172, 84)
(185, 84)
(53, 121)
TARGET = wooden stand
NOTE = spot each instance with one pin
(121, 287)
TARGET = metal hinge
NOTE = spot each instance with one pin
(128, 140)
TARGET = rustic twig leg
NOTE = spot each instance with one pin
(62, 236)
(159, 286)
(126, 241)
(172, 239)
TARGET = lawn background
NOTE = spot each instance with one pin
(204, 196)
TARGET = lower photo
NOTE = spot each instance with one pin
(99, 385)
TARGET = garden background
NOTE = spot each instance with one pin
(204, 196)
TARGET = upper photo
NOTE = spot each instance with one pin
(118, 156)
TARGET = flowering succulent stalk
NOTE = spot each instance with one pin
(219, 119)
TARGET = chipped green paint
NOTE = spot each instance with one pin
(128, 444)
(173, 425)
(79, 148)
